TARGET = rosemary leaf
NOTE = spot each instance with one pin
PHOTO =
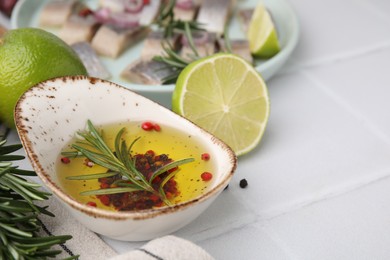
(171, 79)
(10, 148)
(117, 143)
(23, 182)
(165, 180)
(170, 62)
(15, 231)
(92, 176)
(28, 196)
(17, 171)
(227, 39)
(4, 170)
(174, 56)
(72, 154)
(6, 206)
(100, 159)
(188, 34)
(110, 191)
(169, 166)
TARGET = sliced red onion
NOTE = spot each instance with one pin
(185, 4)
(122, 20)
(103, 15)
(125, 20)
(133, 6)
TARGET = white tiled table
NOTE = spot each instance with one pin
(322, 188)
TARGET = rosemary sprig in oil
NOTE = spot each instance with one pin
(120, 163)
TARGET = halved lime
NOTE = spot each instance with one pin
(262, 35)
(226, 96)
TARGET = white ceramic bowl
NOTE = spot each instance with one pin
(48, 115)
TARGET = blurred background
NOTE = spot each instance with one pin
(6, 6)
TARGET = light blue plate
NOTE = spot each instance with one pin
(26, 14)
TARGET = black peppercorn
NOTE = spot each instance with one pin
(243, 183)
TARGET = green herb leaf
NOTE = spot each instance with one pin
(110, 191)
(19, 221)
(92, 176)
(170, 166)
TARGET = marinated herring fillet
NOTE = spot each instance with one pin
(214, 14)
(239, 47)
(148, 72)
(204, 44)
(57, 12)
(111, 41)
(79, 29)
(90, 60)
(154, 42)
(149, 12)
(245, 17)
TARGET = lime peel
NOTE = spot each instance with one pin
(239, 112)
(262, 34)
(27, 57)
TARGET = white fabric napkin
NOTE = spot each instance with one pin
(88, 245)
(166, 248)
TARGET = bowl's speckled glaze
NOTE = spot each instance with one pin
(49, 114)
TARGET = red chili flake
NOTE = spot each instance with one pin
(104, 185)
(146, 166)
(105, 199)
(154, 198)
(173, 169)
(205, 156)
(157, 127)
(85, 12)
(147, 126)
(65, 160)
(206, 176)
(150, 152)
(91, 203)
(156, 179)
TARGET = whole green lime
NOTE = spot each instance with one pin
(27, 57)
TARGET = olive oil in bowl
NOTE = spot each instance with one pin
(155, 145)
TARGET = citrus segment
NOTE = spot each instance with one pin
(262, 35)
(226, 96)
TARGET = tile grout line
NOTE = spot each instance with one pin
(346, 56)
(354, 112)
(267, 229)
(327, 194)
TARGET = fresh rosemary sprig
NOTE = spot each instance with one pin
(173, 60)
(19, 223)
(119, 163)
(170, 26)
(166, 21)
